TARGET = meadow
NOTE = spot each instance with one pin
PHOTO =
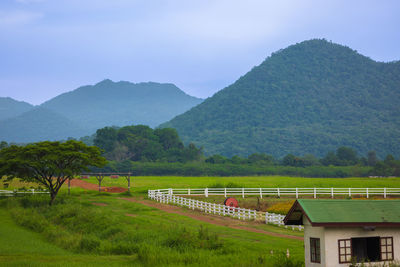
(87, 228)
(140, 184)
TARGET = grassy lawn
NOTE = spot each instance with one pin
(22, 247)
(77, 232)
(141, 184)
(115, 232)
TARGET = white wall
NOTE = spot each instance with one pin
(333, 234)
(315, 232)
(329, 237)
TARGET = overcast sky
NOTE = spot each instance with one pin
(52, 46)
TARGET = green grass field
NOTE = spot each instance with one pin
(75, 232)
(140, 184)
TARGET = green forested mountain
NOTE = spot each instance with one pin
(311, 97)
(88, 108)
(38, 124)
(10, 108)
(111, 103)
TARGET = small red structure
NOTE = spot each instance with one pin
(231, 202)
(84, 176)
(114, 176)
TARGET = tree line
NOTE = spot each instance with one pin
(145, 151)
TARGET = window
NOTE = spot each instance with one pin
(315, 250)
(386, 248)
(344, 250)
(366, 249)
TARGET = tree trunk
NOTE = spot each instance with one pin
(52, 198)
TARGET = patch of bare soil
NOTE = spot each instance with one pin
(99, 204)
(90, 186)
(213, 219)
(130, 215)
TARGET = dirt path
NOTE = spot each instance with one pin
(213, 219)
(90, 186)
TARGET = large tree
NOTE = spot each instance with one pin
(48, 163)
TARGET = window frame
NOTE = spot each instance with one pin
(386, 245)
(313, 249)
(345, 247)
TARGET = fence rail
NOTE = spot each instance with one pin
(297, 192)
(9, 193)
(165, 196)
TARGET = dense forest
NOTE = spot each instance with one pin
(142, 143)
(309, 98)
(145, 151)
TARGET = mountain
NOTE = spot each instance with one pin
(10, 108)
(311, 97)
(36, 125)
(89, 108)
(122, 103)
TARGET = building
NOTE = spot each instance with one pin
(338, 232)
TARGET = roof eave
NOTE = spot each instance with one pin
(356, 224)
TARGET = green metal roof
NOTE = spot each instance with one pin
(349, 211)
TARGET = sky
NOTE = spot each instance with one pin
(48, 47)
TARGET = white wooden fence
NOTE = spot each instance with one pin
(297, 192)
(277, 219)
(9, 193)
(165, 196)
(211, 208)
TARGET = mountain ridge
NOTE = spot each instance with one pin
(10, 107)
(314, 90)
(106, 103)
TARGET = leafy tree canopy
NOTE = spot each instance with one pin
(48, 163)
(142, 143)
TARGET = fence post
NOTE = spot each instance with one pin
(242, 192)
(279, 193)
(332, 192)
(349, 192)
(260, 192)
(170, 191)
(384, 192)
(367, 193)
(315, 192)
(206, 192)
(189, 191)
(225, 191)
(297, 193)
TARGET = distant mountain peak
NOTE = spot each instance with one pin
(10, 107)
(310, 97)
(106, 103)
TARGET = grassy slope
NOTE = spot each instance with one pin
(22, 247)
(37, 252)
(151, 227)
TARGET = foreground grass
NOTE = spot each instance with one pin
(21, 247)
(122, 232)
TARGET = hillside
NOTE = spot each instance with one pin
(37, 125)
(122, 103)
(311, 97)
(10, 108)
(88, 108)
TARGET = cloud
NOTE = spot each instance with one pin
(18, 17)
